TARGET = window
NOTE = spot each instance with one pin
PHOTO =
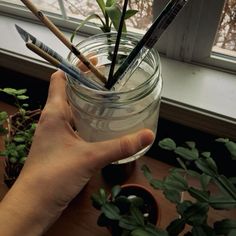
(204, 32)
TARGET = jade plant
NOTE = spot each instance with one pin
(110, 16)
(175, 186)
(17, 131)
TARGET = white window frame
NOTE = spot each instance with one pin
(178, 42)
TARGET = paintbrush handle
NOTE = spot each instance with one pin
(62, 66)
(47, 22)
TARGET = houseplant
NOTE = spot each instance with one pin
(194, 212)
(17, 131)
(129, 210)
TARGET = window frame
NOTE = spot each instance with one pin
(178, 42)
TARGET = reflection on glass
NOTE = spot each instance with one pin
(225, 42)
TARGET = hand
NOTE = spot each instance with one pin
(60, 163)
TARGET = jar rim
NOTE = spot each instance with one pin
(132, 36)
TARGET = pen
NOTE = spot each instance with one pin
(48, 23)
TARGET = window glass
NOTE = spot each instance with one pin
(83, 8)
(225, 42)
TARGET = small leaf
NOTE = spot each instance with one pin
(191, 144)
(115, 191)
(22, 97)
(231, 146)
(20, 91)
(222, 202)
(172, 195)
(205, 180)
(147, 173)
(206, 154)
(157, 184)
(137, 215)
(222, 140)
(176, 227)
(128, 222)
(167, 144)
(187, 154)
(129, 13)
(111, 211)
(224, 226)
(206, 167)
(102, 6)
(201, 196)
(110, 3)
(9, 91)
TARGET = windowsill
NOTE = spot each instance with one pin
(193, 95)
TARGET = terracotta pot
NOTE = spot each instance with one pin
(150, 204)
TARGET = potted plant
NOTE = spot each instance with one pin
(194, 212)
(129, 210)
(17, 131)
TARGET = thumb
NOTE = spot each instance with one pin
(120, 148)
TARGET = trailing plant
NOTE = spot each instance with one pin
(111, 13)
(175, 186)
(17, 131)
(195, 212)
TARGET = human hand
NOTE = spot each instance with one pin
(60, 163)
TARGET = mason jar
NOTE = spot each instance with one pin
(103, 115)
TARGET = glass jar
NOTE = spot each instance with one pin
(102, 115)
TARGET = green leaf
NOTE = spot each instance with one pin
(222, 202)
(114, 14)
(110, 3)
(20, 91)
(172, 195)
(157, 184)
(19, 139)
(175, 181)
(224, 227)
(128, 222)
(137, 215)
(191, 144)
(206, 154)
(102, 6)
(222, 140)
(147, 173)
(205, 180)
(187, 154)
(183, 206)
(201, 196)
(176, 227)
(86, 20)
(115, 191)
(22, 97)
(167, 144)
(9, 91)
(111, 211)
(136, 201)
(129, 13)
(206, 166)
(231, 146)
(226, 186)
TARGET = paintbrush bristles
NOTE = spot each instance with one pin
(48, 23)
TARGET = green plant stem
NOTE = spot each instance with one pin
(228, 190)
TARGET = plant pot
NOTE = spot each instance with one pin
(150, 206)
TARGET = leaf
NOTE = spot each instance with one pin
(206, 154)
(114, 14)
(147, 173)
(111, 211)
(157, 184)
(206, 167)
(22, 97)
(222, 202)
(102, 6)
(172, 195)
(183, 206)
(167, 144)
(231, 146)
(176, 227)
(191, 144)
(129, 13)
(19, 139)
(115, 191)
(224, 226)
(175, 181)
(9, 91)
(128, 222)
(20, 91)
(201, 196)
(137, 215)
(222, 140)
(110, 3)
(187, 154)
(205, 180)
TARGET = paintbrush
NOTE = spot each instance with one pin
(61, 66)
(48, 23)
(146, 43)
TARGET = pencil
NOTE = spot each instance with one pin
(48, 23)
(62, 66)
(149, 39)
